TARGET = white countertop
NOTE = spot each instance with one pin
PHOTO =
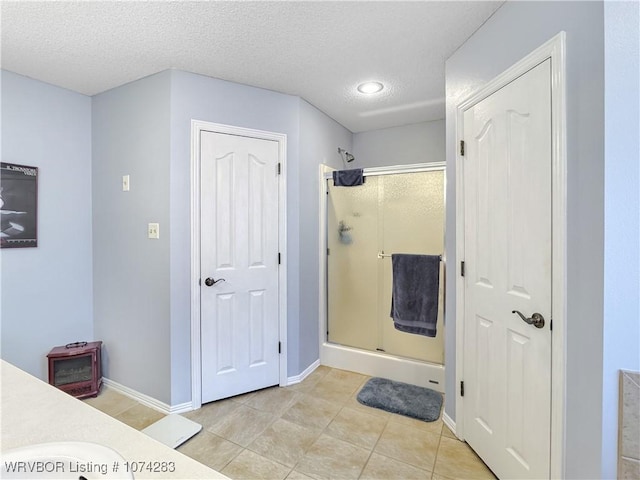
(32, 412)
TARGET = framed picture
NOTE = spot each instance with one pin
(19, 206)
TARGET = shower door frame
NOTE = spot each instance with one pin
(329, 351)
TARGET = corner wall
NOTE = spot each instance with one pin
(46, 291)
(131, 272)
(516, 29)
(320, 137)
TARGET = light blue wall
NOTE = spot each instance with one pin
(131, 272)
(142, 286)
(320, 137)
(415, 143)
(204, 98)
(46, 291)
(622, 214)
(515, 30)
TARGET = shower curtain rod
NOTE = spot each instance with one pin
(416, 167)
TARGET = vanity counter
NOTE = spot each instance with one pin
(33, 412)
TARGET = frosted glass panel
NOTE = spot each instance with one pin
(400, 213)
(352, 231)
(413, 222)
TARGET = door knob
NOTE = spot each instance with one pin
(210, 281)
(536, 319)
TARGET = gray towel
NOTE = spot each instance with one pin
(414, 296)
(348, 178)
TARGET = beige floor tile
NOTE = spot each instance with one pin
(272, 400)
(446, 431)
(333, 390)
(409, 445)
(356, 427)
(210, 449)
(294, 475)
(284, 442)
(244, 398)
(301, 387)
(323, 432)
(329, 458)
(433, 427)
(243, 425)
(251, 466)
(345, 377)
(312, 412)
(457, 460)
(318, 373)
(380, 467)
(139, 416)
(111, 402)
(212, 414)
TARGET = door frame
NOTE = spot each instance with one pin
(554, 49)
(197, 127)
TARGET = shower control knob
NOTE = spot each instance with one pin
(210, 281)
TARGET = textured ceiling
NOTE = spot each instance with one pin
(319, 51)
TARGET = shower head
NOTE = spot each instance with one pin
(347, 156)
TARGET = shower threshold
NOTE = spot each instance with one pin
(380, 364)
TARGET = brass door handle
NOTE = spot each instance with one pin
(536, 319)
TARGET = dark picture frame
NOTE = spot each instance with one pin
(19, 206)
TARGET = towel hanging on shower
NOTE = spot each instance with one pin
(348, 178)
(415, 292)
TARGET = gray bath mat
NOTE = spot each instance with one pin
(397, 397)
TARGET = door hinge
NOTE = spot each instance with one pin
(462, 148)
(328, 251)
(279, 168)
(551, 324)
(279, 347)
(462, 268)
(462, 389)
(279, 258)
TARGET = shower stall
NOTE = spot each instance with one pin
(396, 210)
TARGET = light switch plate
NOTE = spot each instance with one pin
(154, 230)
(125, 183)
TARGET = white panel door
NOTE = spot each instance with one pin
(507, 191)
(239, 265)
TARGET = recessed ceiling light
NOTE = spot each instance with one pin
(370, 87)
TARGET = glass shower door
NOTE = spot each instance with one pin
(396, 213)
(352, 287)
(412, 218)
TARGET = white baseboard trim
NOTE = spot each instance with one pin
(146, 399)
(446, 419)
(298, 378)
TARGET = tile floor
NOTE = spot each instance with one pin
(312, 430)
